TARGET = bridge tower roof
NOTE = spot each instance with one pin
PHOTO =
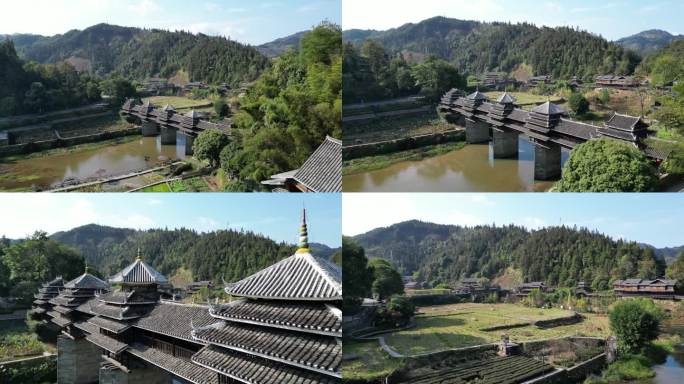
(506, 98)
(548, 108)
(477, 95)
(139, 272)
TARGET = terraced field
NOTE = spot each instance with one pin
(462, 325)
(499, 370)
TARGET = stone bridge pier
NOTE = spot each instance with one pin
(505, 144)
(476, 131)
(189, 141)
(137, 374)
(168, 135)
(149, 128)
(78, 361)
(547, 161)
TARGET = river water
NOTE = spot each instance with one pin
(671, 371)
(470, 169)
(115, 159)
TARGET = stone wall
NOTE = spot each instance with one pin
(557, 322)
(18, 149)
(78, 361)
(382, 147)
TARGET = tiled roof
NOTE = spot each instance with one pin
(85, 307)
(256, 370)
(506, 98)
(624, 122)
(315, 318)
(58, 319)
(88, 281)
(548, 108)
(112, 345)
(477, 95)
(175, 320)
(301, 276)
(320, 353)
(124, 297)
(576, 129)
(139, 272)
(180, 367)
(322, 171)
(117, 312)
(108, 324)
(87, 327)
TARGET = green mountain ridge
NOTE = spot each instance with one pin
(650, 41)
(143, 53)
(476, 47)
(560, 256)
(276, 47)
(227, 254)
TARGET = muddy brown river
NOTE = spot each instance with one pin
(470, 169)
(115, 159)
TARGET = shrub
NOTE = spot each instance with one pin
(578, 103)
(607, 166)
(635, 323)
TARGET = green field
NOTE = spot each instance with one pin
(368, 361)
(178, 102)
(461, 325)
(373, 163)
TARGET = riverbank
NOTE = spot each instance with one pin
(373, 163)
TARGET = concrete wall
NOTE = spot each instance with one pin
(38, 146)
(78, 361)
(371, 149)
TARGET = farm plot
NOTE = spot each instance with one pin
(500, 370)
(461, 325)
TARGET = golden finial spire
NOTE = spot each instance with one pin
(138, 257)
(303, 235)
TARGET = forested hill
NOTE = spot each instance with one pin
(476, 47)
(276, 47)
(647, 42)
(209, 256)
(560, 256)
(143, 53)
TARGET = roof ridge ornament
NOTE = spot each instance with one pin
(303, 235)
(138, 255)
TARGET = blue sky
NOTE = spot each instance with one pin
(656, 219)
(611, 18)
(275, 215)
(253, 22)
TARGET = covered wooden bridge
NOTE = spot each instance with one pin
(547, 125)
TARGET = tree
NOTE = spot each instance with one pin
(386, 280)
(118, 88)
(676, 271)
(208, 146)
(398, 311)
(221, 107)
(35, 98)
(635, 323)
(578, 103)
(436, 76)
(357, 276)
(607, 166)
(604, 96)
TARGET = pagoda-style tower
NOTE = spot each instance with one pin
(41, 304)
(116, 311)
(286, 327)
(505, 140)
(75, 293)
(77, 360)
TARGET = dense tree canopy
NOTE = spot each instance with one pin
(476, 47)
(139, 54)
(676, 271)
(289, 110)
(37, 259)
(357, 277)
(370, 73)
(208, 145)
(607, 166)
(36, 88)
(559, 256)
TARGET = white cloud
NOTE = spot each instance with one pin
(154, 201)
(144, 7)
(207, 223)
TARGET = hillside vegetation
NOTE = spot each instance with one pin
(142, 53)
(476, 47)
(560, 256)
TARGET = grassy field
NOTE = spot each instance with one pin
(397, 128)
(370, 361)
(372, 163)
(525, 98)
(461, 325)
(178, 102)
(17, 341)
